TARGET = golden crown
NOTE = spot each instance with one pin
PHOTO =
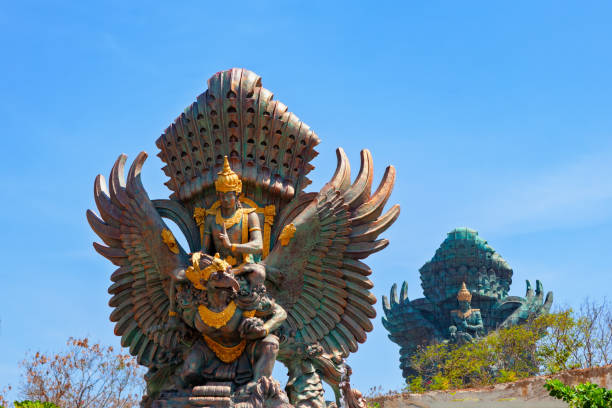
(198, 276)
(228, 180)
(464, 294)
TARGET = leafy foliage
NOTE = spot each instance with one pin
(585, 395)
(84, 376)
(545, 345)
(34, 404)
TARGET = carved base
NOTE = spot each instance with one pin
(266, 393)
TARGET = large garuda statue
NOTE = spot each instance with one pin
(466, 286)
(271, 272)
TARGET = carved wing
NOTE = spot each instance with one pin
(408, 324)
(132, 229)
(405, 320)
(516, 310)
(317, 276)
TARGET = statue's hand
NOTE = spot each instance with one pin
(252, 328)
(224, 238)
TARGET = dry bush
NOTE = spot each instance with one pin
(84, 376)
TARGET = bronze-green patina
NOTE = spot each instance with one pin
(463, 258)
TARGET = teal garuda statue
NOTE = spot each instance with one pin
(466, 286)
(270, 272)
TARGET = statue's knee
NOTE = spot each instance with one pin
(268, 346)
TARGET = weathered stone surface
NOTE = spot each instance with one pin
(211, 312)
(527, 393)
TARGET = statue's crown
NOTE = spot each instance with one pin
(198, 276)
(464, 294)
(217, 265)
(228, 180)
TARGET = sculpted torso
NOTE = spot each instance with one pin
(228, 334)
(467, 320)
(214, 238)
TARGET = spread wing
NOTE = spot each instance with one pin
(317, 276)
(132, 229)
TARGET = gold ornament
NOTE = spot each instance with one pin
(169, 240)
(231, 260)
(197, 276)
(269, 214)
(200, 218)
(268, 211)
(465, 315)
(228, 180)
(231, 221)
(464, 294)
(225, 354)
(228, 354)
(287, 233)
(217, 319)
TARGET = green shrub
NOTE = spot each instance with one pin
(585, 395)
(34, 404)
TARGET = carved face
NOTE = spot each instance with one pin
(218, 294)
(464, 305)
(228, 200)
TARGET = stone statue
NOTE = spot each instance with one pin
(232, 231)
(466, 286)
(467, 322)
(270, 272)
(235, 327)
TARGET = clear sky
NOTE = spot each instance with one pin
(497, 116)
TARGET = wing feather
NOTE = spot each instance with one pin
(325, 289)
(130, 226)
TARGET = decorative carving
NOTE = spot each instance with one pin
(225, 354)
(227, 179)
(268, 211)
(169, 240)
(210, 330)
(464, 271)
(286, 234)
(217, 319)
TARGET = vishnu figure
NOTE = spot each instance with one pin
(467, 322)
(232, 231)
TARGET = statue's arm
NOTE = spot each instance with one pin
(255, 244)
(277, 317)
(479, 325)
(206, 245)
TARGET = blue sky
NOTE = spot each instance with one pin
(497, 116)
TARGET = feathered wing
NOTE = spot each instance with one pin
(318, 276)
(408, 323)
(132, 229)
(401, 314)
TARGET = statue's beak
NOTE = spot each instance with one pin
(222, 279)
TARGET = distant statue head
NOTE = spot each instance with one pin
(228, 185)
(464, 297)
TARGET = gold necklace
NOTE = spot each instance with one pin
(464, 315)
(231, 221)
(217, 319)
